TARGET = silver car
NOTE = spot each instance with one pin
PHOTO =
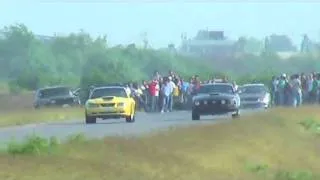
(254, 96)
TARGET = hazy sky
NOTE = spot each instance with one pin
(124, 22)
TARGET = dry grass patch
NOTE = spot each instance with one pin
(267, 146)
(18, 110)
(27, 116)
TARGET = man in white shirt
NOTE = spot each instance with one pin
(172, 85)
(297, 91)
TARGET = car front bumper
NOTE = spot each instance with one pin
(255, 104)
(107, 113)
(212, 110)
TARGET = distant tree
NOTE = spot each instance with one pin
(280, 43)
(305, 44)
(249, 45)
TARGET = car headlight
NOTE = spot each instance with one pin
(223, 101)
(92, 105)
(122, 104)
(197, 103)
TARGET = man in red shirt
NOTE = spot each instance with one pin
(154, 93)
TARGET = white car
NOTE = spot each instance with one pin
(254, 96)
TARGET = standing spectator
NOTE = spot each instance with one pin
(196, 84)
(154, 94)
(288, 97)
(304, 88)
(184, 91)
(235, 86)
(172, 87)
(281, 89)
(145, 92)
(314, 91)
(156, 75)
(166, 91)
(296, 90)
(274, 90)
(309, 87)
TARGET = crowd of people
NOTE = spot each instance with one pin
(296, 89)
(163, 92)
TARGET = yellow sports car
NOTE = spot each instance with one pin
(109, 102)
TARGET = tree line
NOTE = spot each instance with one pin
(78, 59)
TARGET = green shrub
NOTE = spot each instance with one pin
(303, 175)
(33, 145)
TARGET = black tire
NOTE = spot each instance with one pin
(236, 114)
(91, 120)
(131, 118)
(195, 116)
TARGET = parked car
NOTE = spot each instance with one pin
(55, 96)
(254, 96)
(214, 99)
(109, 102)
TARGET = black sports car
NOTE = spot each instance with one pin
(214, 99)
(55, 96)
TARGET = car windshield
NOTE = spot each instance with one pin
(253, 89)
(216, 88)
(51, 92)
(118, 92)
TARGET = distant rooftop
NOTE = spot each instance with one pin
(211, 42)
(210, 35)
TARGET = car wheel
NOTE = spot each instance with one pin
(91, 120)
(195, 116)
(131, 118)
(236, 114)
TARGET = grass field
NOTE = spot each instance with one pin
(18, 110)
(283, 144)
(28, 116)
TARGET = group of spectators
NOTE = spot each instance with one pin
(161, 93)
(296, 89)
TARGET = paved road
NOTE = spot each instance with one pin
(145, 122)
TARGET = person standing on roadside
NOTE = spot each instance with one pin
(156, 75)
(314, 91)
(303, 79)
(281, 89)
(235, 86)
(296, 90)
(172, 87)
(184, 90)
(154, 94)
(166, 92)
(274, 90)
(309, 88)
(197, 84)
